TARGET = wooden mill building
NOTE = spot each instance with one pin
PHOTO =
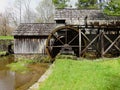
(74, 31)
(30, 38)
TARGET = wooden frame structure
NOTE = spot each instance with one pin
(106, 40)
(75, 31)
(99, 39)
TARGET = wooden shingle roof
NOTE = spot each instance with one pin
(92, 14)
(34, 29)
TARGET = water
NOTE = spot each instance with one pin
(21, 81)
(7, 80)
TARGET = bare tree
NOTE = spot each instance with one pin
(5, 28)
(25, 13)
(45, 11)
(18, 9)
(13, 18)
(29, 14)
(21, 12)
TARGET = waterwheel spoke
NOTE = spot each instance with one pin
(58, 39)
(73, 39)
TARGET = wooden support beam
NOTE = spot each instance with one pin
(102, 44)
(111, 45)
(80, 45)
(62, 46)
(90, 44)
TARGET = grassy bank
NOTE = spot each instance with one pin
(6, 37)
(2, 52)
(84, 75)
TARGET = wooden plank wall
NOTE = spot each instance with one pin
(26, 45)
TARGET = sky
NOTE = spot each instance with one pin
(3, 4)
(7, 3)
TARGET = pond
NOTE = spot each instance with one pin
(10, 80)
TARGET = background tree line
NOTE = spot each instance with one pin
(22, 12)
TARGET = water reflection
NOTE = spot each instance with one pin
(7, 80)
(19, 81)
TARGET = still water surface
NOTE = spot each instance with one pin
(19, 81)
(7, 80)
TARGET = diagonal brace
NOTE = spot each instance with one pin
(73, 39)
(112, 42)
(90, 43)
(111, 45)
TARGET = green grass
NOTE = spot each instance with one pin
(21, 65)
(84, 75)
(6, 37)
(18, 67)
(2, 52)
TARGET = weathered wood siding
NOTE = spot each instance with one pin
(30, 45)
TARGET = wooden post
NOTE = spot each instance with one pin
(79, 43)
(102, 44)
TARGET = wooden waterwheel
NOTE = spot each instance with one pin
(63, 39)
